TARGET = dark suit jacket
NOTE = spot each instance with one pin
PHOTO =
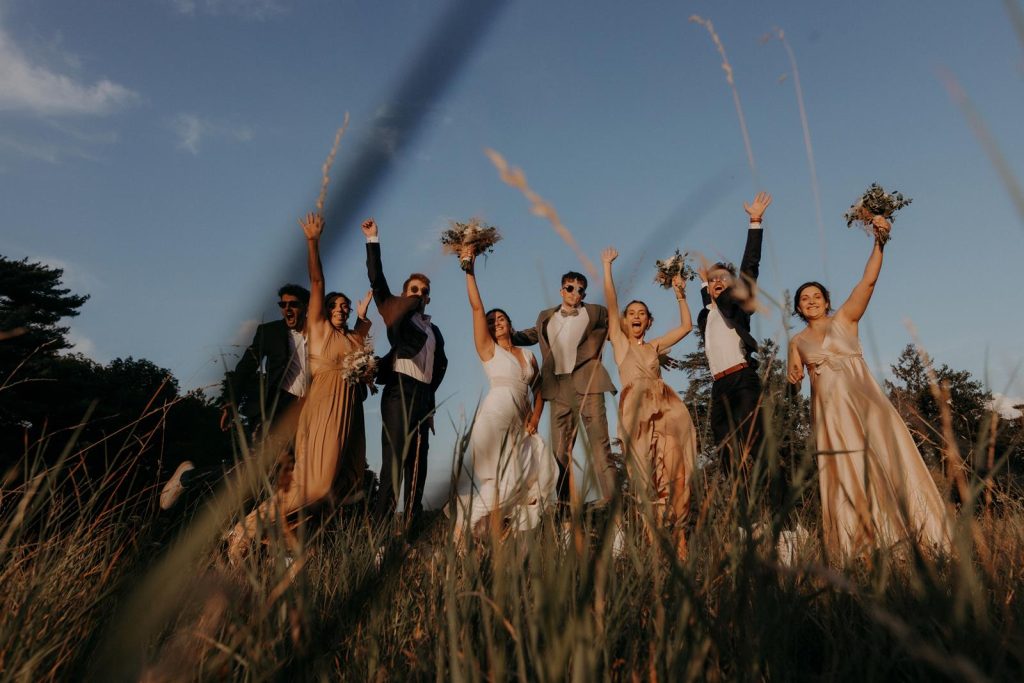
(270, 350)
(405, 337)
(589, 376)
(735, 317)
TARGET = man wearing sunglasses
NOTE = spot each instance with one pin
(270, 376)
(574, 380)
(411, 373)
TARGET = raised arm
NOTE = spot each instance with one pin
(672, 337)
(750, 266)
(481, 335)
(795, 365)
(362, 327)
(313, 227)
(853, 309)
(392, 308)
(615, 332)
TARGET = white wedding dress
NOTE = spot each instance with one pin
(505, 469)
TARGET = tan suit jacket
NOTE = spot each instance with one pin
(589, 376)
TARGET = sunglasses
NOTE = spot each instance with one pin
(573, 288)
(289, 304)
(416, 289)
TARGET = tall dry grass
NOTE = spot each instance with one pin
(568, 601)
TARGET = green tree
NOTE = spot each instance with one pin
(33, 301)
(911, 393)
(44, 394)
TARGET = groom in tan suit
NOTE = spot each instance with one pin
(574, 380)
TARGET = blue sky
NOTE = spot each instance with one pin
(161, 150)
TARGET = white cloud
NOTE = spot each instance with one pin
(75, 277)
(1004, 405)
(191, 130)
(81, 344)
(247, 9)
(36, 88)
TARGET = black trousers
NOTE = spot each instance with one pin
(734, 419)
(405, 408)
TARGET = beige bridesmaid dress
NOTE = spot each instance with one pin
(656, 430)
(875, 487)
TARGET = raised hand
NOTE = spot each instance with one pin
(609, 254)
(364, 305)
(756, 209)
(679, 285)
(369, 227)
(703, 268)
(882, 227)
(312, 225)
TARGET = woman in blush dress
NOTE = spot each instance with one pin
(330, 456)
(875, 489)
(510, 477)
(655, 427)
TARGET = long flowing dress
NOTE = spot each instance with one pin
(508, 471)
(656, 430)
(875, 487)
(330, 444)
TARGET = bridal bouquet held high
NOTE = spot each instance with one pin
(876, 202)
(473, 234)
(676, 264)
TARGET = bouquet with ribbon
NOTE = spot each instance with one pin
(473, 233)
(676, 264)
(876, 202)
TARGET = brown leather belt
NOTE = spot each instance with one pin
(729, 371)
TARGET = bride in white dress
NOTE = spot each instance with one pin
(506, 471)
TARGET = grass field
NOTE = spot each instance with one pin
(97, 585)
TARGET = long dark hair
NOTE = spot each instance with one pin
(799, 291)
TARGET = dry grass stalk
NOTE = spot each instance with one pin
(954, 466)
(727, 68)
(988, 143)
(326, 168)
(808, 147)
(515, 177)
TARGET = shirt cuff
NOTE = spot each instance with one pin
(755, 225)
(374, 239)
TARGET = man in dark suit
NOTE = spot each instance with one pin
(574, 380)
(411, 372)
(724, 323)
(265, 386)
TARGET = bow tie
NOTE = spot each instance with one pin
(570, 313)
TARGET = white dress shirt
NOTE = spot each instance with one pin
(722, 344)
(296, 377)
(421, 366)
(564, 335)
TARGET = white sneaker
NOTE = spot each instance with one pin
(173, 488)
